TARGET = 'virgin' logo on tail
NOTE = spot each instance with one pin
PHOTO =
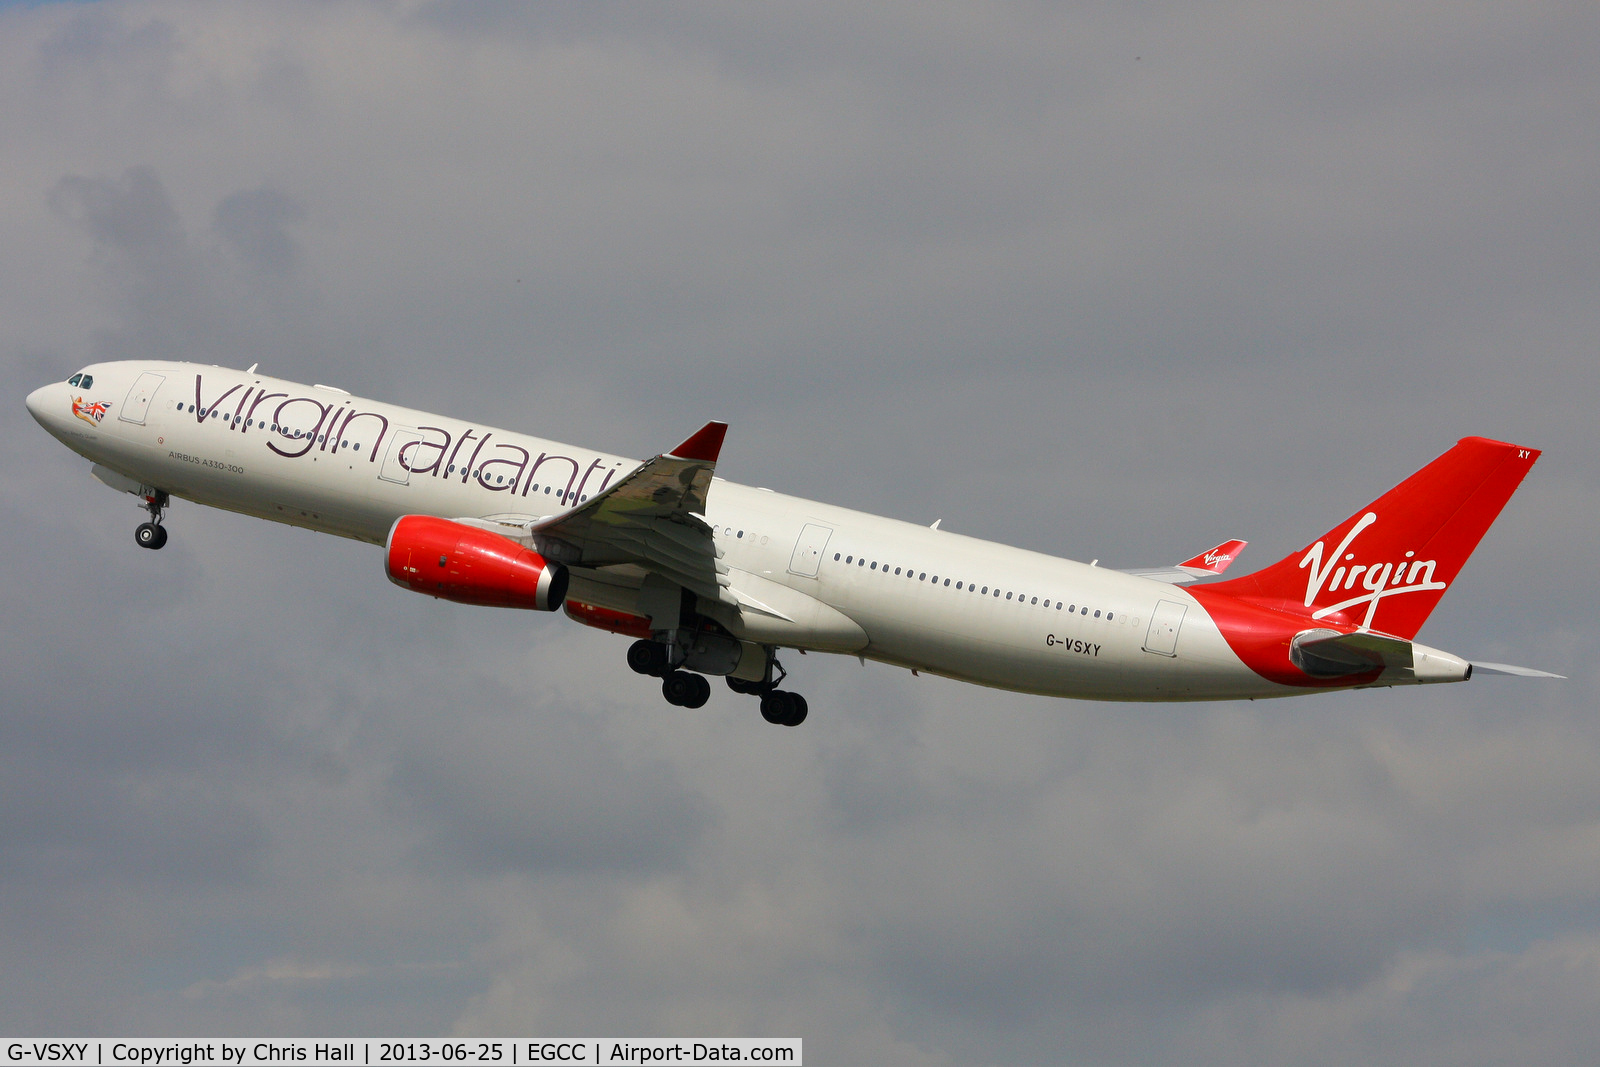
(1380, 580)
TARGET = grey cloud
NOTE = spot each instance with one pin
(542, 791)
(256, 224)
(131, 216)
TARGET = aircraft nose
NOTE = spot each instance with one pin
(38, 403)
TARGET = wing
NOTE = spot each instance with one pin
(652, 518)
(1212, 561)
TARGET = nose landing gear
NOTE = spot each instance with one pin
(152, 534)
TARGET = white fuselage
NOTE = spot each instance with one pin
(921, 598)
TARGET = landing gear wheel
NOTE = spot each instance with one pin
(149, 535)
(700, 691)
(161, 537)
(783, 709)
(686, 690)
(742, 687)
(648, 657)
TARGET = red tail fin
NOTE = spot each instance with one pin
(1385, 567)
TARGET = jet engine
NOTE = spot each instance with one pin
(469, 565)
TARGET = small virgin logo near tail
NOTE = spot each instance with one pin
(1341, 574)
(1213, 560)
(91, 413)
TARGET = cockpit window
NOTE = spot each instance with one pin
(88, 381)
(75, 379)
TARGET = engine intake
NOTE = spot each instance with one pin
(454, 561)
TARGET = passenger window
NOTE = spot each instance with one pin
(947, 581)
(1035, 600)
(849, 559)
(874, 564)
(741, 532)
(1097, 614)
(1008, 596)
(922, 577)
(1108, 616)
(1047, 602)
(75, 379)
(836, 557)
(897, 570)
(1058, 605)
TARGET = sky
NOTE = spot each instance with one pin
(1112, 281)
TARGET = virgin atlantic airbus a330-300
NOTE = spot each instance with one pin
(713, 578)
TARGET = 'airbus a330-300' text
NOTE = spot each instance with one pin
(713, 578)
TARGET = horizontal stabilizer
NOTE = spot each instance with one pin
(1212, 561)
(1479, 667)
(1331, 655)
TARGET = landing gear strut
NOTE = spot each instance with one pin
(152, 534)
(778, 707)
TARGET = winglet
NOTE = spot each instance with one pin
(704, 445)
(1214, 560)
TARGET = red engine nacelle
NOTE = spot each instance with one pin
(617, 622)
(471, 566)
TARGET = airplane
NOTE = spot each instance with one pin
(711, 578)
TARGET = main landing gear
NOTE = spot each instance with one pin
(687, 689)
(682, 688)
(152, 534)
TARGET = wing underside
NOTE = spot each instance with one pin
(653, 519)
